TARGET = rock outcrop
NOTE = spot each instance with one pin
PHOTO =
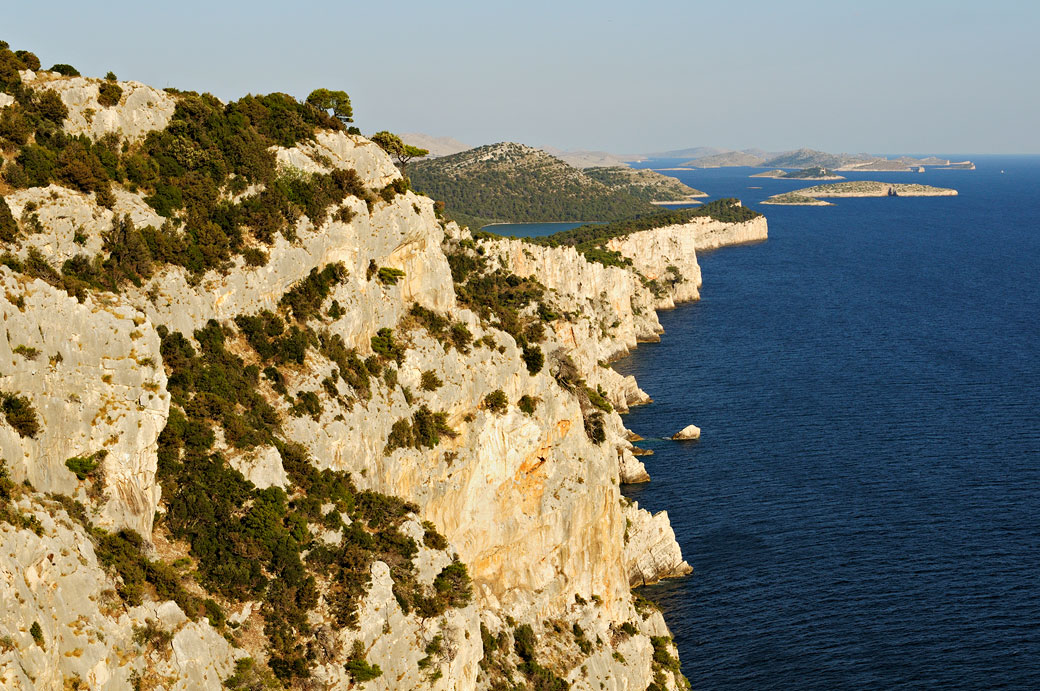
(688, 432)
(651, 552)
(63, 624)
(93, 374)
(528, 501)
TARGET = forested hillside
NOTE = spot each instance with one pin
(512, 182)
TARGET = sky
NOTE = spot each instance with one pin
(906, 76)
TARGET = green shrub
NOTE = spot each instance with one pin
(29, 60)
(64, 69)
(84, 466)
(425, 430)
(20, 414)
(431, 538)
(8, 226)
(15, 128)
(595, 428)
(27, 352)
(152, 635)
(386, 346)
(430, 381)
(109, 94)
(250, 676)
(496, 402)
(358, 667)
(48, 106)
(527, 404)
(452, 585)
(524, 642)
(111, 76)
(37, 633)
(35, 167)
(254, 257)
(304, 299)
(598, 398)
(389, 276)
(584, 644)
(534, 359)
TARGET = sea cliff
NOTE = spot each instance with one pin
(517, 486)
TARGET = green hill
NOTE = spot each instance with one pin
(511, 182)
(644, 184)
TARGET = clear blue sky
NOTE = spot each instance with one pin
(883, 76)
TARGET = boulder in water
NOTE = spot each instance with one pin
(688, 432)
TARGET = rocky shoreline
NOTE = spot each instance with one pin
(523, 483)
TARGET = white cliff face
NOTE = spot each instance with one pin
(399, 643)
(527, 502)
(651, 551)
(93, 374)
(140, 110)
(71, 222)
(53, 580)
(331, 150)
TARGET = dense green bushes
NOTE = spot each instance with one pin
(65, 70)
(496, 402)
(8, 226)
(525, 645)
(477, 191)
(109, 94)
(305, 298)
(250, 543)
(425, 430)
(85, 466)
(451, 335)
(358, 668)
(502, 298)
(186, 171)
(389, 276)
(20, 414)
(429, 381)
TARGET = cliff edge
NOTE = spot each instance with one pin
(268, 420)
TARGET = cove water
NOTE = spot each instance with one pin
(863, 508)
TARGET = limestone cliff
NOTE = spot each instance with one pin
(522, 478)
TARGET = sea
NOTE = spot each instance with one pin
(862, 510)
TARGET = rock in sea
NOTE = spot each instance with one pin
(688, 432)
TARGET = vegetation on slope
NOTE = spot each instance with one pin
(190, 173)
(512, 182)
(245, 543)
(590, 240)
(643, 184)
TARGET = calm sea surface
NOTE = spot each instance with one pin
(863, 509)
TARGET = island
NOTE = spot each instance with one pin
(814, 173)
(808, 196)
(793, 199)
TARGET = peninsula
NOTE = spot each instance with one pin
(815, 173)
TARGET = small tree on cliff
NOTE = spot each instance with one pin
(392, 144)
(336, 101)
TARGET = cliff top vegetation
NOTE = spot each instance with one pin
(591, 239)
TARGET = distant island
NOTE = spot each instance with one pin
(814, 173)
(511, 182)
(809, 196)
(795, 199)
(811, 158)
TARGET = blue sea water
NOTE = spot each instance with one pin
(863, 509)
